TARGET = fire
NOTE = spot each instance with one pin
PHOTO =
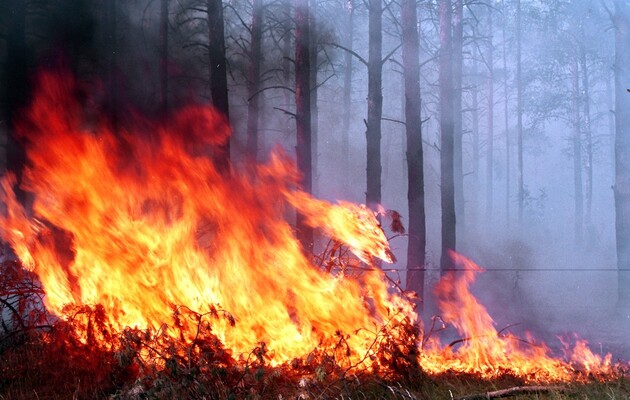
(487, 352)
(139, 221)
(140, 226)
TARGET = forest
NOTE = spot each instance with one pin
(497, 130)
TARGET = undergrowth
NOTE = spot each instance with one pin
(80, 356)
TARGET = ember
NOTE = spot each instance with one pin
(150, 231)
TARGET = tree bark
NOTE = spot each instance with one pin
(416, 247)
(164, 57)
(218, 75)
(474, 193)
(347, 92)
(457, 59)
(588, 135)
(253, 81)
(622, 147)
(375, 105)
(519, 115)
(577, 155)
(506, 120)
(490, 136)
(111, 11)
(447, 186)
(303, 114)
(15, 88)
(314, 92)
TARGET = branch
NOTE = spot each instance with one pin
(393, 120)
(391, 53)
(285, 111)
(239, 18)
(270, 87)
(321, 83)
(195, 44)
(363, 61)
(514, 391)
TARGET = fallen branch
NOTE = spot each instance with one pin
(513, 391)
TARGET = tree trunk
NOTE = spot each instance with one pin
(447, 187)
(375, 104)
(164, 57)
(287, 64)
(622, 147)
(253, 81)
(347, 93)
(413, 128)
(218, 75)
(577, 154)
(588, 219)
(457, 49)
(303, 113)
(313, 91)
(473, 215)
(111, 12)
(519, 115)
(610, 99)
(490, 137)
(15, 88)
(506, 119)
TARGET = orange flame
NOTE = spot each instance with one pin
(487, 352)
(140, 228)
(140, 221)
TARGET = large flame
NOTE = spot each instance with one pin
(140, 221)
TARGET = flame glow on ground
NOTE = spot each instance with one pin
(141, 221)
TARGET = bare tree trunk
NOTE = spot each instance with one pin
(519, 115)
(111, 11)
(457, 58)
(622, 146)
(15, 88)
(375, 104)
(577, 154)
(610, 98)
(286, 64)
(253, 81)
(218, 74)
(313, 91)
(164, 57)
(506, 120)
(303, 113)
(416, 247)
(490, 137)
(447, 185)
(347, 92)
(588, 218)
(473, 215)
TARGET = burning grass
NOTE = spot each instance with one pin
(81, 355)
(164, 278)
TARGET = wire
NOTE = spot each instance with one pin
(510, 269)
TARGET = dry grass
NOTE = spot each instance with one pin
(43, 367)
(81, 357)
